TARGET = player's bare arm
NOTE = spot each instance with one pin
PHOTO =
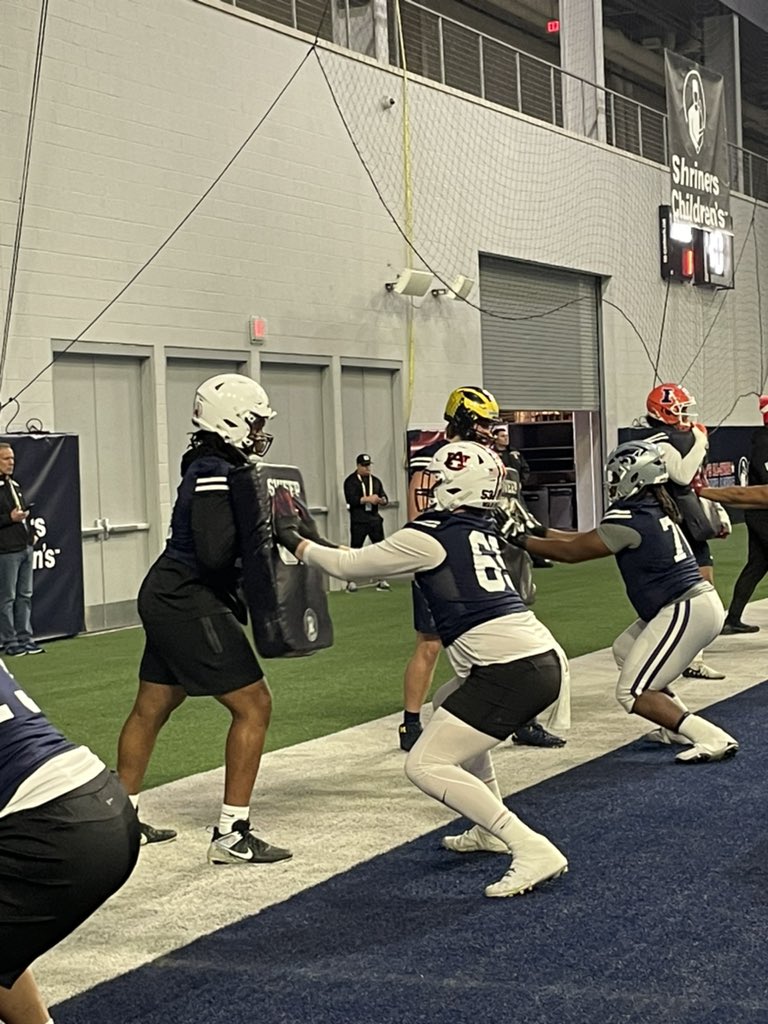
(568, 547)
(743, 497)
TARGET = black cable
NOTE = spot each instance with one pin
(24, 181)
(178, 227)
(711, 327)
(401, 231)
(661, 335)
(10, 421)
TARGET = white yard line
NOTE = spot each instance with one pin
(335, 801)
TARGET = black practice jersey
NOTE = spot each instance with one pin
(472, 585)
(653, 556)
(197, 573)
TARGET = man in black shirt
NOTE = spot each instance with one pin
(365, 495)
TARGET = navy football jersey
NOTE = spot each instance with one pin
(207, 474)
(27, 739)
(472, 585)
(422, 458)
(660, 568)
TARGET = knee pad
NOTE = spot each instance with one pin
(618, 655)
(625, 697)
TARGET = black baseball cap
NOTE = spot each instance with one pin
(364, 460)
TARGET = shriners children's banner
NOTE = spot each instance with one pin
(48, 472)
(698, 147)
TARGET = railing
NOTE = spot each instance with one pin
(444, 50)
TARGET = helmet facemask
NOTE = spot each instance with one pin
(257, 443)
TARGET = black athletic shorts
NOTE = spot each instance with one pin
(360, 532)
(422, 616)
(700, 548)
(497, 699)
(207, 656)
(58, 863)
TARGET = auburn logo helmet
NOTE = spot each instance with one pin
(673, 405)
(466, 474)
(471, 413)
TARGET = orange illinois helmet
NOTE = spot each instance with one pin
(673, 405)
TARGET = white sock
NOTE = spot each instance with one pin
(230, 814)
(699, 730)
(518, 836)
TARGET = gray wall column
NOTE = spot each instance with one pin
(581, 55)
(722, 54)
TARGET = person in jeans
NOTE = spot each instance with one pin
(16, 540)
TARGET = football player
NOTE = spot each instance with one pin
(679, 611)
(69, 839)
(471, 413)
(508, 666)
(671, 413)
(189, 608)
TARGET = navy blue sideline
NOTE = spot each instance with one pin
(662, 918)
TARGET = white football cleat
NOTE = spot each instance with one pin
(474, 840)
(662, 735)
(700, 753)
(698, 670)
(528, 872)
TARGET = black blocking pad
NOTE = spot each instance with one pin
(287, 601)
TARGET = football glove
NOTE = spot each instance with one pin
(509, 520)
(725, 520)
(292, 521)
(308, 526)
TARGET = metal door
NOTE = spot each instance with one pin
(99, 398)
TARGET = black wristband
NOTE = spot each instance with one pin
(538, 530)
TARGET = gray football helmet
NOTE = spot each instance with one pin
(633, 466)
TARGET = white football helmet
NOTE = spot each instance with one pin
(466, 474)
(633, 466)
(236, 408)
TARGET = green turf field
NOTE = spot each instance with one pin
(86, 685)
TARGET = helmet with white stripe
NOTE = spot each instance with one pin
(236, 408)
(633, 466)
